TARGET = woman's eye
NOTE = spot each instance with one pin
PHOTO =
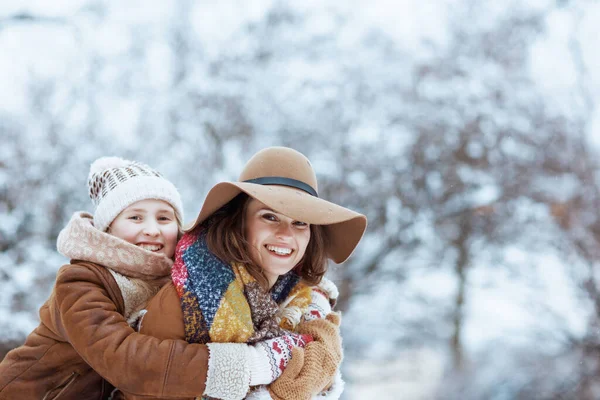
(270, 217)
(135, 217)
(300, 224)
(164, 218)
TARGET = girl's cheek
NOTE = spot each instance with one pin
(172, 234)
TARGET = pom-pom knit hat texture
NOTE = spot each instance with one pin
(115, 184)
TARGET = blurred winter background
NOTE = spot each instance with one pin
(468, 131)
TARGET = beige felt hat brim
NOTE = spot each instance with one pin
(345, 227)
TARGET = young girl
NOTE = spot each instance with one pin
(250, 268)
(120, 257)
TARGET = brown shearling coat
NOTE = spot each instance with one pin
(164, 320)
(83, 337)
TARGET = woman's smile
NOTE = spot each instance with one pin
(277, 242)
(278, 250)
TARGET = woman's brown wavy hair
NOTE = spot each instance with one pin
(226, 239)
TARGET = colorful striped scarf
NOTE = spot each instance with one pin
(224, 303)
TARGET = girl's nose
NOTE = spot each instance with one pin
(151, 229)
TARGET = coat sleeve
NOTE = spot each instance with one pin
(135, 363)
(163, 318)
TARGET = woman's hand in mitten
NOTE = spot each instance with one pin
(234, 367)
(311, 370)
(269, 358)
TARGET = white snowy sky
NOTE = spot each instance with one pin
(50, 49)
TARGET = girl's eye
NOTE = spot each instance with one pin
(300, 224)
(135, 217)
(164, 218)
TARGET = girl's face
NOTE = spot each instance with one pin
(149, 224)
(277, 243)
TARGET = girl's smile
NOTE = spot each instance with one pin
(149, 224)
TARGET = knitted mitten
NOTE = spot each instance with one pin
(323, 298)
(319, 305)
(311, 370)
(269, 358)
(234, 367)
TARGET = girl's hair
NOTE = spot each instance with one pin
(180, 231)
(225, 237)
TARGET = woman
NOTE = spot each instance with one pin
(251, 267)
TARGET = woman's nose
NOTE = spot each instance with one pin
(284, 230)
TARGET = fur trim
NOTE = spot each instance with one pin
(228, 375)
(136, 319)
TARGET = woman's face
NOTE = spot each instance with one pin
(149, 224)
(277, 243)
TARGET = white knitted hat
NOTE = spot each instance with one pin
(115, 184)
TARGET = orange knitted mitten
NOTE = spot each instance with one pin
(311, 370)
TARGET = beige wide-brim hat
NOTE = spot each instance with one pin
(284, 180)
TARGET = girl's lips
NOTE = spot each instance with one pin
(151, 246)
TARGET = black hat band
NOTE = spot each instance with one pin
(280, 180)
